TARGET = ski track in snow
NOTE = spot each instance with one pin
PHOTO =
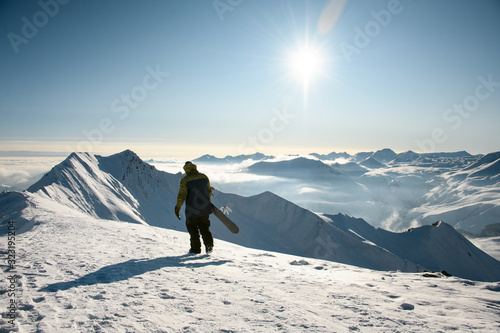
(77, 273)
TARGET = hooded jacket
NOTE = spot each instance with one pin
(195, 189)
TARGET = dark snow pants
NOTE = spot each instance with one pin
(197, 226)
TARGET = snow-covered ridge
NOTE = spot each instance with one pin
(122, 187)
(117, 187)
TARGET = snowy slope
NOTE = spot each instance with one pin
(361, 156)
(268, 222)
(469, 198)
(487, 165)
(79, 183)
(155, 191)
(351, 169)
(431, 246)
(371, 163)
(13, 208)
(76, 273)
(123, 187)
(118, 187)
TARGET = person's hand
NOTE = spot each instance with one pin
(177, 210)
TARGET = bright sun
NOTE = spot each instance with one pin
(305, 64)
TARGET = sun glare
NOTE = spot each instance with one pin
(305, 64)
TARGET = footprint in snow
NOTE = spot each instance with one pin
(301, 262)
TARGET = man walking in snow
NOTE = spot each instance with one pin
(195, 189)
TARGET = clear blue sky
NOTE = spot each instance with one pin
(420, 75)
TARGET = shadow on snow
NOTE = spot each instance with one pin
(128, 269)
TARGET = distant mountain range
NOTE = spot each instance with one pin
(384, 156)
(231, 159)
(389, 190)
(123, 187)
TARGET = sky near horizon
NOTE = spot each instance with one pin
(240, 76)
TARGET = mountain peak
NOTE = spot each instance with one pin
(385, 155)
(371, 163)
(128, 155)
(408, 156)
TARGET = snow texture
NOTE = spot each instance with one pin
(77, 273)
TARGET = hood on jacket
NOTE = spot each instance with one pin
(190, 168)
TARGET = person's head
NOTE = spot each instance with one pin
(189, 167)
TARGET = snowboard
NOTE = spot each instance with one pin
(225, 220)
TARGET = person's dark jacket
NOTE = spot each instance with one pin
(195, 189)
